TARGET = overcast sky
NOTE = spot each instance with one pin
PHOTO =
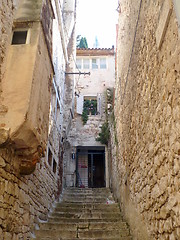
(97, 18)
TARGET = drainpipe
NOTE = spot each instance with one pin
(61, 30)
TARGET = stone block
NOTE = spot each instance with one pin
(164, 212)
(2, 162)
(7, 236)
(172, 236)
(168, 225)
(176, 166)
(4, 134)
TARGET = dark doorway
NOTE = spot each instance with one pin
(95, 170)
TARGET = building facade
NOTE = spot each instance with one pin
(37, 47)
(86, 158)
(146, 146)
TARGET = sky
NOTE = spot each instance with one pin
(97, 18)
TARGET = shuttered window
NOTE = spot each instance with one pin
(79, 104)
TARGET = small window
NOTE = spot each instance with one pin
(94, 64)
(54, 166)
(19, 37)
(58, 114)
(79, 63)
(103, 63)
(50, 157)
(90, 105)
(86, 63)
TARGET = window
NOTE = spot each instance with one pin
(79, 63)
(54, 166)
(50, 157)
(103, 63)
(90, 105)
(58, 115)
(86, 63)
(19, 37)
(94, 63)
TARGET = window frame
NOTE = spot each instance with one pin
(91, 98)
(101, 65)
(94, 64)
(84, 63)
(27, 40)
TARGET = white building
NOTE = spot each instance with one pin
(87, 163)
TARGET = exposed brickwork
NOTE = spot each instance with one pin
(146, 161)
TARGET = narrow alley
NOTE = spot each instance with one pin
(89, 136)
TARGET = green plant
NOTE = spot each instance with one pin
(84, 116)
(93, 107)
(81, 42)
(104, 134)
(110, 94)
(89, 107)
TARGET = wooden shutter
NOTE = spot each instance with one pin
(80, 102)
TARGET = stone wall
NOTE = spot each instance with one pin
(145, 159)
(23, 200)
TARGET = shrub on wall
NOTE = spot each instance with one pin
(104, 134)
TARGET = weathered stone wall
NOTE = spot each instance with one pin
(23, 200)
(26, 199)
(146, 155)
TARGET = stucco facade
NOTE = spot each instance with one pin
(145, 146)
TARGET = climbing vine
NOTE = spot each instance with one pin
(104, 134)
(89, 108)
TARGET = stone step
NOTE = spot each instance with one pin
(87, 234)
(107, 238)
(79, 198)
(93, 214)
(85, 225)
(102, 233)
(86, 190)
(103, 206)
(85, 214)
(81, 220)
(85, 200)
(85, 210)
(81, 194)
(102, 191)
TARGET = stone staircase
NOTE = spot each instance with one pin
(85, 214)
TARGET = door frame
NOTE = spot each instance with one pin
(91, 150)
